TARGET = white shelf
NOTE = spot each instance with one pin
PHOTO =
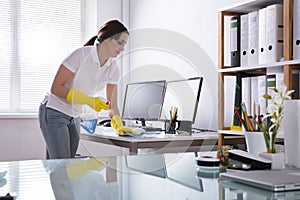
(250, 5)
(263, 66)
(231, 132)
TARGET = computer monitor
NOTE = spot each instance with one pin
(175, 162)
(149, 164)
(143, 100)
(185, 95)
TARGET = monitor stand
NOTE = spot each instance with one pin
(143, 122)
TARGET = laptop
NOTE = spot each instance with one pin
(273, 180)
(258, 193)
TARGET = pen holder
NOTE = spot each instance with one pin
(171, 128)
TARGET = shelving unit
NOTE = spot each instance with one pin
(288, 64)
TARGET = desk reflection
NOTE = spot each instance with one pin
(177, 167)
(83, 179)
(160, 176)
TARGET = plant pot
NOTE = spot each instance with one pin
(277, 159)
(255, 142)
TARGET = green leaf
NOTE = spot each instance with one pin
(267, 96)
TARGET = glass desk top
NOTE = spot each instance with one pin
(158, 176)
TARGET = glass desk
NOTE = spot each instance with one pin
(159, 176)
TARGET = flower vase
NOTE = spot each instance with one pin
(277, 159)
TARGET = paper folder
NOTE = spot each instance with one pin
(274, 81)
(244, 40)
(262, 89)
(262, 38)
(253, 38)
(235, 41)
(246, 91)
(274, 31)
(296, 30)
(254, 94)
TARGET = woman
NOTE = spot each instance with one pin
(78, 81)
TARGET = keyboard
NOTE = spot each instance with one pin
(147, 128)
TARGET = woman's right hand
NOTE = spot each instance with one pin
(117, 124)
(78, 97)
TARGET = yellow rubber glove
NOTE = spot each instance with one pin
(80, 167)
(117, 124)
(80, 98)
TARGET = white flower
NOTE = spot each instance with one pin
(275, 98)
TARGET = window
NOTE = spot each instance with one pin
(35, 35)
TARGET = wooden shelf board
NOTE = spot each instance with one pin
(263, 66)
(250, 5)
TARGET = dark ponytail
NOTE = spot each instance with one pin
(111, 29)
(91, 41)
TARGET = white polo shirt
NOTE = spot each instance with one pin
(89, 78)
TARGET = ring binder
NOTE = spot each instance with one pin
(235, 41)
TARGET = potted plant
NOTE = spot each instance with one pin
(275, 115)
(271, 122)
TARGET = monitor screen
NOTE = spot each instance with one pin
(183, 94)
(143, 100)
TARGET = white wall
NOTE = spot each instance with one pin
(184, 38)
(21, 139)
(181, 37)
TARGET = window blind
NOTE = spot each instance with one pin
(38, 35)
(6, 49)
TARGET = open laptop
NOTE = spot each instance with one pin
(274, 180)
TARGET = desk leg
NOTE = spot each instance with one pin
(221, 192)
(111, 170)
(133, 149)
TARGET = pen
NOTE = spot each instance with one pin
(240, 117)
(254, 116)
(254, 111)
(245, 121)
(171, 118)
(258, 115)
(175, 113)
(247, 118)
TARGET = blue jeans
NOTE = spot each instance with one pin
(60, 131)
